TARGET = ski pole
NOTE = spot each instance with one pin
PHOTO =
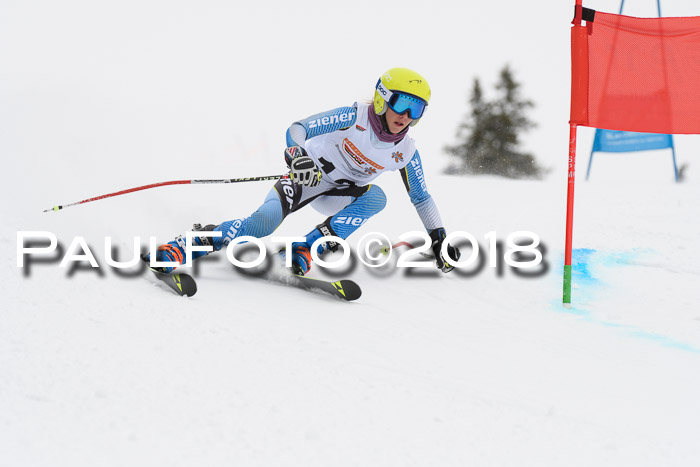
(385, 249)
(173, 182)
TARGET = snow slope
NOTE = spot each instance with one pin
(439, 370)
(446, 370)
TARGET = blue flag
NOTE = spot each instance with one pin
(628, 141)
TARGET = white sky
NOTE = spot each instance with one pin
(222, 80)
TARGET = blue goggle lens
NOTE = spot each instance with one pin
(401, 103)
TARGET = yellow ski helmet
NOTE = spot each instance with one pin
(402, 90)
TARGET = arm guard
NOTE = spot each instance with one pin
(319, 124)
(414, 181)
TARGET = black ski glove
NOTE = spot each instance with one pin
(438, 237)
(303, 169)
(292, 153)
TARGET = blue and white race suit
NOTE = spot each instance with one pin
(350, 155)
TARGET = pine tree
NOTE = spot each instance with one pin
(490, 134)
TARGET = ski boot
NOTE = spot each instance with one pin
(301, 258)
(301, 251)
(174, 251)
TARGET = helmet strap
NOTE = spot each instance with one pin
(385, 125)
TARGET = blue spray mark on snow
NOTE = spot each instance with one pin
(580, 270)
(663, 340)
(582, 260)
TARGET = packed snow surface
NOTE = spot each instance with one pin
(441, 369)
(480, 367)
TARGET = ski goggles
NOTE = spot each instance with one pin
(401, 102)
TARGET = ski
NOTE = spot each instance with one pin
(181, 284)
(344, 289)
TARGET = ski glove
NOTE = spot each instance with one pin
(303, 169)
(292, 153)
(438, 237)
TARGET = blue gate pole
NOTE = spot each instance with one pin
(673, 153)
(673, 147)
(590, 159)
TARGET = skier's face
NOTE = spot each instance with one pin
(396, 122)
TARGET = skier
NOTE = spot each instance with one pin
(333, 157)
